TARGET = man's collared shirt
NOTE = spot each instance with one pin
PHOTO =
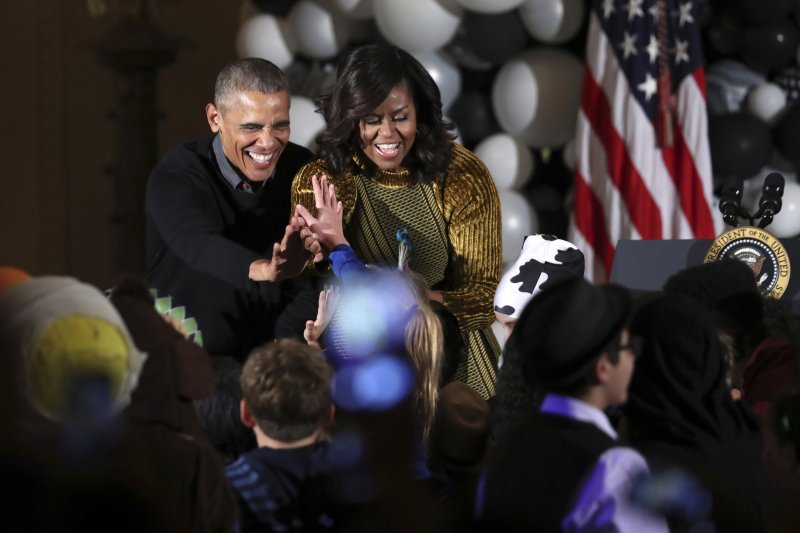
(229, 173)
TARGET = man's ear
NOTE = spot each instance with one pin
(602, 368)
(245, 415)
(213, 116)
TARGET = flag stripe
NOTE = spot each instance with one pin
(630, 119)
(590, 218)
(681, 167)
(640, 139)
(626, 184)
(693, 176)
(642, 209)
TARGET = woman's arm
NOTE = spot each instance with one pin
(471, 208)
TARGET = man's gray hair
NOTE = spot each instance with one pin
(248, 74)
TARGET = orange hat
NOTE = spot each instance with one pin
(10, 276)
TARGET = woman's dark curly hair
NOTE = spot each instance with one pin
(364, 78)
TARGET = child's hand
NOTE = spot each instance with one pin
(328, 300)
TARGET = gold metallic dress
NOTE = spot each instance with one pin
(454, 224)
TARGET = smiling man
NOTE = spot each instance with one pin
(220, 237)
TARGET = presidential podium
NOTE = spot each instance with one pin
(644, 266)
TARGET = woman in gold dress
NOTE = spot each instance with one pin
(391, 157)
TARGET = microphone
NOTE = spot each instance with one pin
(770, 203)
(730, 201)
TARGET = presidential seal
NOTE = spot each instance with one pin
(758, 249)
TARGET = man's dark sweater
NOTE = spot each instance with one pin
(202, 236)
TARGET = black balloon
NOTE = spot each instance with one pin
(704, 12)
(724, 34)
(770, 45)
(473, 115)
(757, 11)
(740, 144)
(279, 8)
(493, 38)
(786, 135)
(788, 79)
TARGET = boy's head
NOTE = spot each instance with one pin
(573, 336)
(286, 389)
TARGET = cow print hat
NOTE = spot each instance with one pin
(544, 260)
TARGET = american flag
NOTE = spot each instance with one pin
(643, 167)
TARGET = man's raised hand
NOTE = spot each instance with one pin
(289, 257)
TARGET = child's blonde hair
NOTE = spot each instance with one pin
(424, 343)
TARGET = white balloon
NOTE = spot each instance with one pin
(357, 9)
(306, 122)
(518, 220)
(509, 160)
(536, 96)
(445, 72)
(264, 36)
(515, 96)
(787, 222)
(319, 33)
(766, 101)
(728, 82)
(490, 6)
(418, 25)
(552, 21)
